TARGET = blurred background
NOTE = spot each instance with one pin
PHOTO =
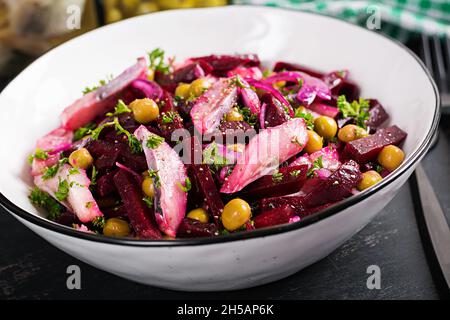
(29, 28)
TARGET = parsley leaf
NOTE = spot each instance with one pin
(53, 170)
(148, 201)
(309, 118)
(38, 154)
(212, 157)
(120, 108)
(96, 132)
(133, 142)
(358, 110)
(83, 131)
(157, 63)
(100, 84)
(94, 176)
(42, 199)
(154, 141)
(317, 164)
(73, 171)
(63, 190)
(248, 116)
(277, 176)
(295, 173)
(154, 175)
(238, 82)
(169, 117)
(187, 185)
(98, 222)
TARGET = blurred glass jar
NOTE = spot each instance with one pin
(116, 10)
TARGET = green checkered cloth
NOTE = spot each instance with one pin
(400, 19)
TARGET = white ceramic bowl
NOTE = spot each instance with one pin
(31, 104)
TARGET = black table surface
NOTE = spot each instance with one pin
(30, 268)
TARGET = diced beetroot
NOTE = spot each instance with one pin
(274, 113)
(335, 79)
(106, 161)
(294, 202)
(324, 109)
(378, 114)
(221, 64)
(274, 217)
(135, 162)
(142, 88)
(140, 215)
(119, 211)
(185, 74)
(337, 187)
(350, 90)
(232, 132)
(190, 228)
(367, 148)
(167, 103)
(281, 65)
(291, 180)
(67, 218)
(167, 127)
(105, 184)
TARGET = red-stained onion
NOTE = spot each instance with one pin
(147, 89)
(134, 173)
(277, 94)
(60, 148)
(262, 116)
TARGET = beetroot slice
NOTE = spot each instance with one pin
(205, 182)
(291, 180)
(275, 113)
(105, 184)
(295, 202)
(336, 187)
(221, 64)
(167, 103)
(234, 132)
(168, 123)
(140, 215)
(274, 217)
(186, 74)
(190, 228)
(366, 149)
(378, 114)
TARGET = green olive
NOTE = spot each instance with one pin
(325, 127)
(176, 4)
(199, 86)
(369, 179)
(351, 132)
(81, 158)
(198, 214)
(315, 142)
(183, 91)
(115, 227)
(148, 187)
(144, 110)
(234, 115)
(235, 214)
(391, 157)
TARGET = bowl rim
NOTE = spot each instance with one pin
(270, 231)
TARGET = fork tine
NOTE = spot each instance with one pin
(440, 66)
(426, 54)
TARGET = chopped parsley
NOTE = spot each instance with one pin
(277, 176)
(98, 222)
(73, 171)
(44, 200)
(154, 141)
(358, 110)
(93, 176)
(100, 84)
(239, 83)
(212, 157)
(133, 142)
(309, 118)
(378, 168)
(154, 175)
(169, 117)
(53, 170)
(317, 164)
(38, 154)
(295, 173)
(295, 141)
(248, 116)
(157, 63)
(63, 190)
(187, 185)
(96, 132)
(83, 131)
(148, 201)
(120, 108)
(267, 73)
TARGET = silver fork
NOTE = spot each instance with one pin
(436, 56)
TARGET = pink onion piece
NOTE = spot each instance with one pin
(250, 98)
(277, 94)
(147, 89)
(262, 116)
(60, 148)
